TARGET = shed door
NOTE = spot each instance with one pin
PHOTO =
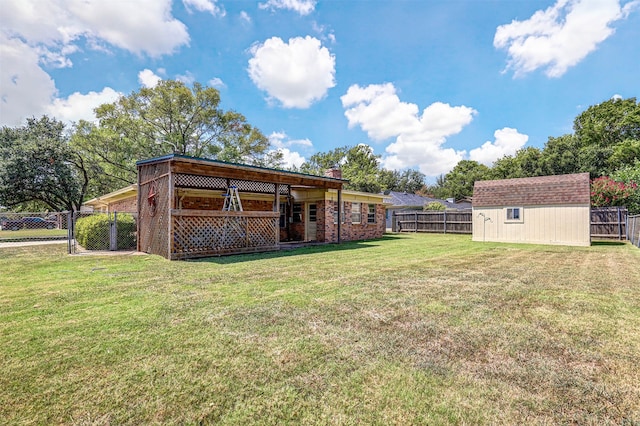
(311, 229)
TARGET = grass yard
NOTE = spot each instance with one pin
(410, 329)
(32, 234)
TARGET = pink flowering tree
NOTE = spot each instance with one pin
(607, 192)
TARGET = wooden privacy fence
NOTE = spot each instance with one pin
(443, 222)
(608, 222)
(633, 230)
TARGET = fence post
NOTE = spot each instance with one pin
(113, 232)
(69, 231)
(619, 224)
(415, 222)
(445, 221)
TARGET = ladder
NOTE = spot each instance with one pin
(232, 200)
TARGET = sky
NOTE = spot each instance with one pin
(425, 83)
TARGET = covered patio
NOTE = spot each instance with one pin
(182, 214)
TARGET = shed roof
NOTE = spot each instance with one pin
(539, 190)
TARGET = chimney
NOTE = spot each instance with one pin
(334, 172)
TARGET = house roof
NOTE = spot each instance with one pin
(209, 167)
(540, 190)
(120, 194)
(406, 200)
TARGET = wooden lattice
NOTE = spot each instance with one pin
(210, 235)
(183, 180)
(200, 182)
(154, 217)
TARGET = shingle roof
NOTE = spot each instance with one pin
(540, 190)
(404, 199)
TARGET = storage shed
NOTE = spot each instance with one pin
(182, 211)
(539, 210)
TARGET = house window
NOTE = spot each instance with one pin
(356, 216)
(371, 215)
(514, 214)
(313, 212)
(297, 212)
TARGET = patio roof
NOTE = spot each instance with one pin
(206, 167)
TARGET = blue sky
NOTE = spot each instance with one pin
(424, 83)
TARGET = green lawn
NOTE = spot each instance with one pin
(32, 234)
(410, 329)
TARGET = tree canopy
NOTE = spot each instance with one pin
(606, 139)
(37, 165)
(362, 168)
(168, 118)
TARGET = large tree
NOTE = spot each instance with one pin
(609, 135)
(458, 183)
(38, 165)
(362, 168)
(168, 118)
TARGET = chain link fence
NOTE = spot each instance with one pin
(33, 226)
(112, 231)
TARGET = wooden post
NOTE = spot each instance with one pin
(619, 224)
(170, 192)
(339, 215)
(415, 222)
(445, 221)
(276, 208)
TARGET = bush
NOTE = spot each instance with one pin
(435, 206)
(92, 232)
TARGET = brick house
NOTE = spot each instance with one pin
(180, 204)
(539, 210)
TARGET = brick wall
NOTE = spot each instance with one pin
(350, 231)
(129, 205)
(204, 203)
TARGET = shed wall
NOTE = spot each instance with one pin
(561, 225)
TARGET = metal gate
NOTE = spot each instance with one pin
(92, 231)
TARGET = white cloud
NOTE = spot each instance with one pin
(245, 17)
(81, 106)
(508, 142)
(280, 142)
(37, 33)
(559, 37)
(616, 97)
(58, 24)
(303, 7)
(419, 141)
(25, 89)
(148, 78)
(187, 78)
(297, 73)
(217, 83)
(210, 6)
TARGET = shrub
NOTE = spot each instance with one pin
(435, 206)
(607, 192)
(92, 232)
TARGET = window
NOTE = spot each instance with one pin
(356, 216)
(371, 215)
(514, 214)
(313, 212)
(297, 212)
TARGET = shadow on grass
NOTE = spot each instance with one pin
(302, 249)
(608, 243)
